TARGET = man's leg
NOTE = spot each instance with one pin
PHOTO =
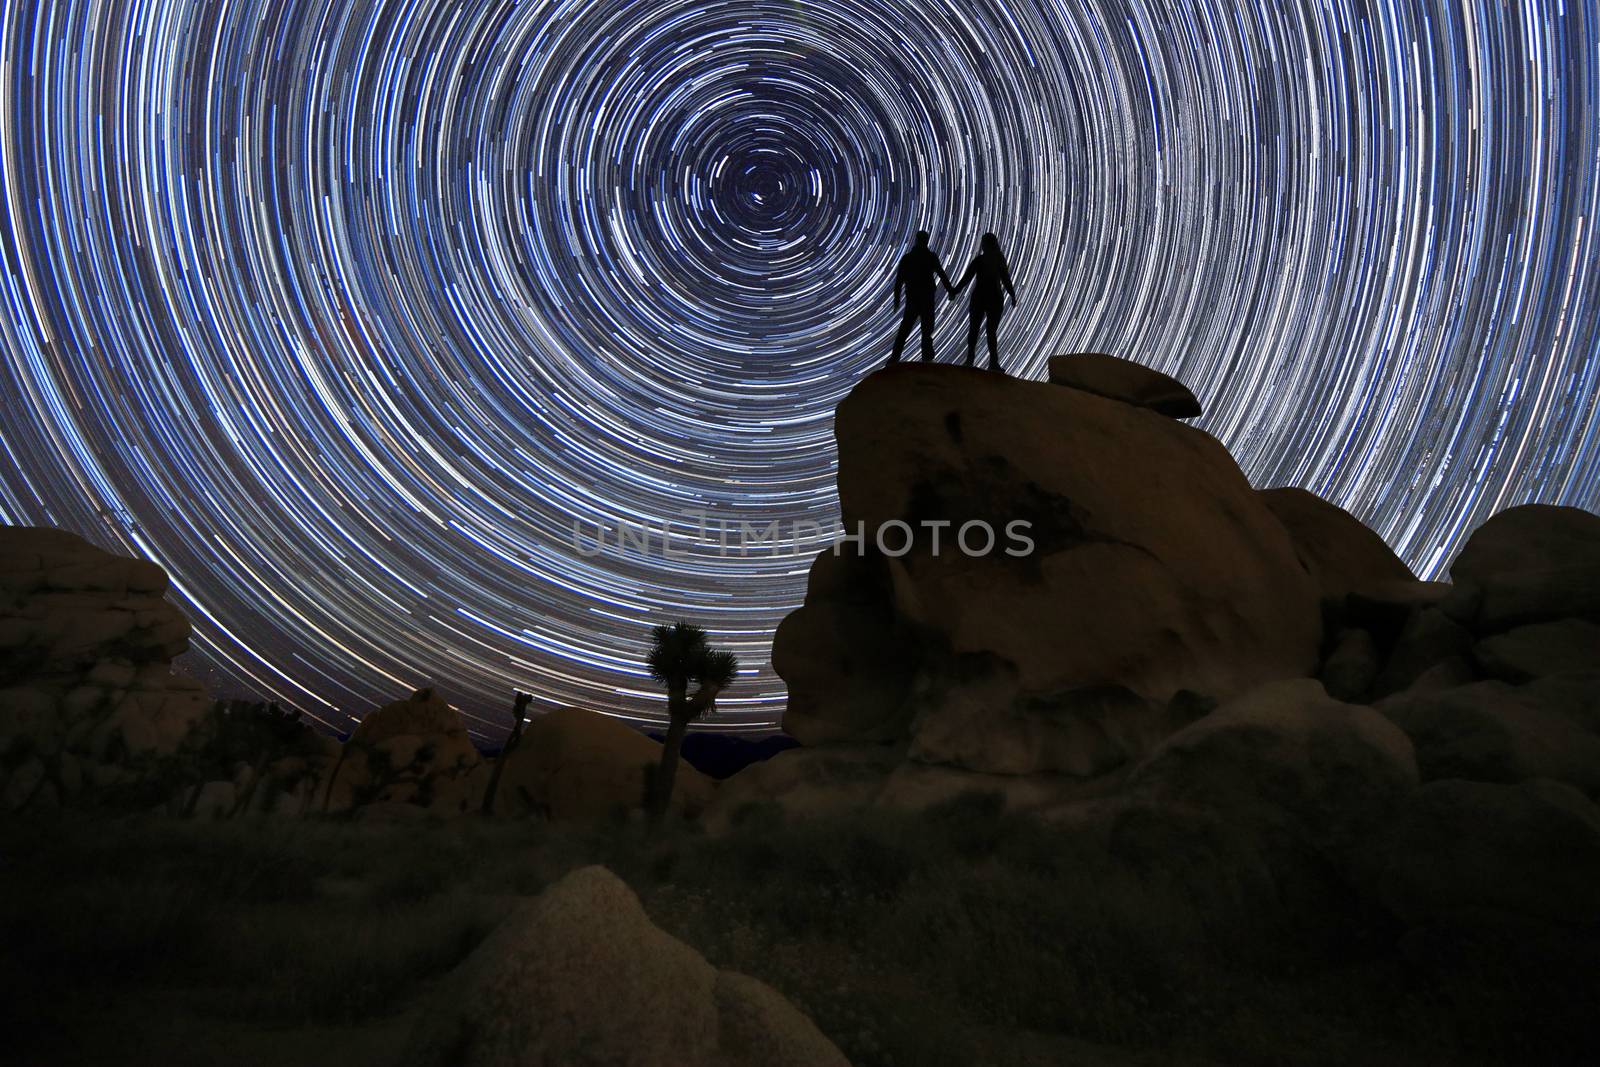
(900, 337)
(926, 314)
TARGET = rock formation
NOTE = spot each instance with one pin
(1249, 686)
(1151, 568)
(579, 974)
(88, 700)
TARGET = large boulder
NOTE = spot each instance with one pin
(87, 690)
(1287, 756)
(580, 975)
(1124, 380)
(1454, 847)
(1493, 732)
(1341, 553)
(1141, 558)
(1565, 646)
(413, 751)
(577, 764)
(1532, 563)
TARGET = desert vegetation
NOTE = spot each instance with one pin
(955, 936)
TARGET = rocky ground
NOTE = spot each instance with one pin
(1207, 776)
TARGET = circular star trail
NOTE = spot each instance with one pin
(365, 319)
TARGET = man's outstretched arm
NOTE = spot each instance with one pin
(938, 268)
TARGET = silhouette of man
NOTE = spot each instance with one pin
(991, 281)
(918, 268)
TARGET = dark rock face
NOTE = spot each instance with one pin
(1458, 846)
(1127, 381)
(1341, 553)
(848, 659)
(1154, 567)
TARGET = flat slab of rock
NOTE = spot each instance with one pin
(1127, 381)
(580, 975)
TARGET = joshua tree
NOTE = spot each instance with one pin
(679, 656)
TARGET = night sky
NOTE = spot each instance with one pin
(345, 312)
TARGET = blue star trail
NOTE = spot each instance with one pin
(347, 313)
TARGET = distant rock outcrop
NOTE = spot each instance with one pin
(1124, 380)
(1151, 567)
(576, 764)
(88, 700)
(414, 751)
(579, 974)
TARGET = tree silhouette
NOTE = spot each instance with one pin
(678, 657)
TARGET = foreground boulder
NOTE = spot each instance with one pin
(88, 699)
(576, 764)
(580, 975)
(1127, 381)
(1150, 563)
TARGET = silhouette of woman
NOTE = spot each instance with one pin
(991, 280)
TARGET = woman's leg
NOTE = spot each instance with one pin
(974, 321)
(992, 324)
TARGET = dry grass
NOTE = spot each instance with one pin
(955, 938)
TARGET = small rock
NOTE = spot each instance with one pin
(23, 783)
(1352, 666)
(213, 800)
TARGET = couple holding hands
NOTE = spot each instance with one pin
(991, 282)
